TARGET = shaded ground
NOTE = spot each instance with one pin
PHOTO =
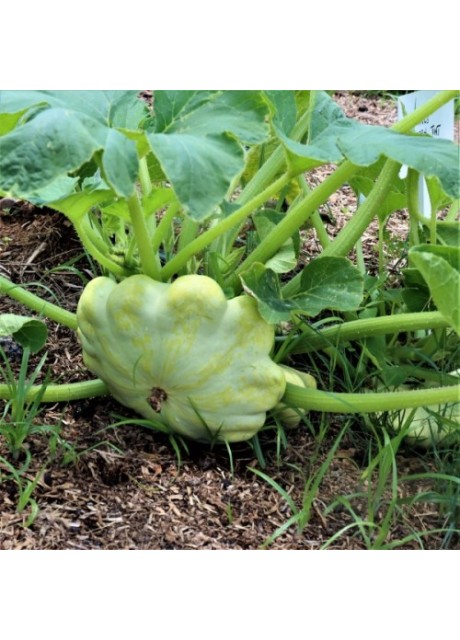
(122, 488)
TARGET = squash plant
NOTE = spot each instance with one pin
(193, 209)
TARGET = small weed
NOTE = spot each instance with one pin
(301, 514)
(24, 487)
(19, 418)
(387, 497)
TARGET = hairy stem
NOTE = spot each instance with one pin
(144, 177)
(330, 402)
(82, 228)
(35, 303)
(354, 229)
(60, 392)
(188, 233)
(315, 217)
(149, 260)
(274, 164)
(205, 239)
(296, 217)
(412, 183)
(312, 340)
(164, 226)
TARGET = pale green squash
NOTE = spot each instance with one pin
(182, 353)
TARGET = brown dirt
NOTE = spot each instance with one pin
(123, 487)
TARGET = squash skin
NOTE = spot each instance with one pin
(208, 355)
(425, 425)
(290, 417)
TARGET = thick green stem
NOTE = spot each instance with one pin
(149, 260)
(312, 340)
(357, 225)
(351, 233)
(434, 221)
(164, 226)
(412, 183)
(274, 164)
(320, 230)
(330, 402)
(315, 217)
(144, 177)
(381, 250)
(61, 392)
(297, 216)
(205, 239)
(360, 262)
(90, 229)
(188, 233)
(82, 228)
(35, 303)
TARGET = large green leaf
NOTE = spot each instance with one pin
(95, 104)
(76, 205)
(451, 254)
(171, 106)
(54, 143)
(430, 156)
(327, 122)
(203, 113)
(442, 278)
(449, 232)
(327, 116)
(111, 107)
(61, 134)
(326, 283)
(331, 283)
(127, 109)
(199, 138)
(61, 187)
(334, 137)
(120, 163)
(28, 332)
(200, 168)
(263, 285)
(284, 109)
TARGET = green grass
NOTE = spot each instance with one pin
(302, 511)
(19, 419)
(24, 488)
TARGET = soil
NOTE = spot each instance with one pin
(124, 487)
